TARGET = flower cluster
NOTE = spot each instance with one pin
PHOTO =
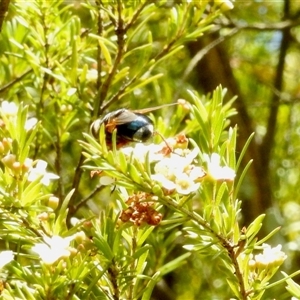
(9, 110)
(264, 265)
(39, 170)
(140, 210)
(33, 169)
(27, 167)
(179, 173)
(270, 257)
(176, 167)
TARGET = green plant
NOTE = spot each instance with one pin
(110, 222)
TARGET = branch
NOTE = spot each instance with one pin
(136, 14)
(3, 10)
(268, 140)
(118, 94)
(196, 58)
(14, 81)
(74, 208)
(97, 103)
(282, 25)
(222, 240)
(120, 32)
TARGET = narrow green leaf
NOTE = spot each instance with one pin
(56, 76)
(246, 146)
(143, 82)
(254, 227)
(103, 246)
(241, 178)
(268, 236)
(150, 286)
(134, 174)
(234, 288)
(31, 193)
(220, 193)
(143, 235)
(173, 264)
(105, 52)
(61, 219)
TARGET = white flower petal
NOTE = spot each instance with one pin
(215, 170)
(40, 171)
(30, 123)
(6, 257)
(54, 248)
(9, 108)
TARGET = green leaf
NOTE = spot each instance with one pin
(56, 76)
(143, 235)
(234, 288)
(134, 174)
(143, 82)
(31, 193)
(173, 264)
(254, 227)
(105, 51)
(150, 286)
(60, 222)
(103, 246)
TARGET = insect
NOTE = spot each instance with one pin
(131, 125)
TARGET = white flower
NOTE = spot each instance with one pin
(270, 256)
(179, 173)
(140, 150)
(185, 184)
(40, 171)
(9, 109)
(53, 248)
(30, 123)
(215, 170)
(92, 75)
(5, 257)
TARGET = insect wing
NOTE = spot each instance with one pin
(122, 116)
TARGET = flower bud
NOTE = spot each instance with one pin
(80, 237)
(6, 144)
(224, 5)
(16, 167)
(53, 202)
(9, 160)
(1, 148)
(43, 216)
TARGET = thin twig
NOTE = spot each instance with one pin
(98, 189)
(98, 100)
(223, 241)
(136, 15)
(118, 94)
(29, 71)
(121, 42)
(14, 81)
(286, 24)
(195, 60)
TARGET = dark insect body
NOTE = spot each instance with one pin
(131, 126)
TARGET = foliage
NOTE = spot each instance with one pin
(114, 222)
